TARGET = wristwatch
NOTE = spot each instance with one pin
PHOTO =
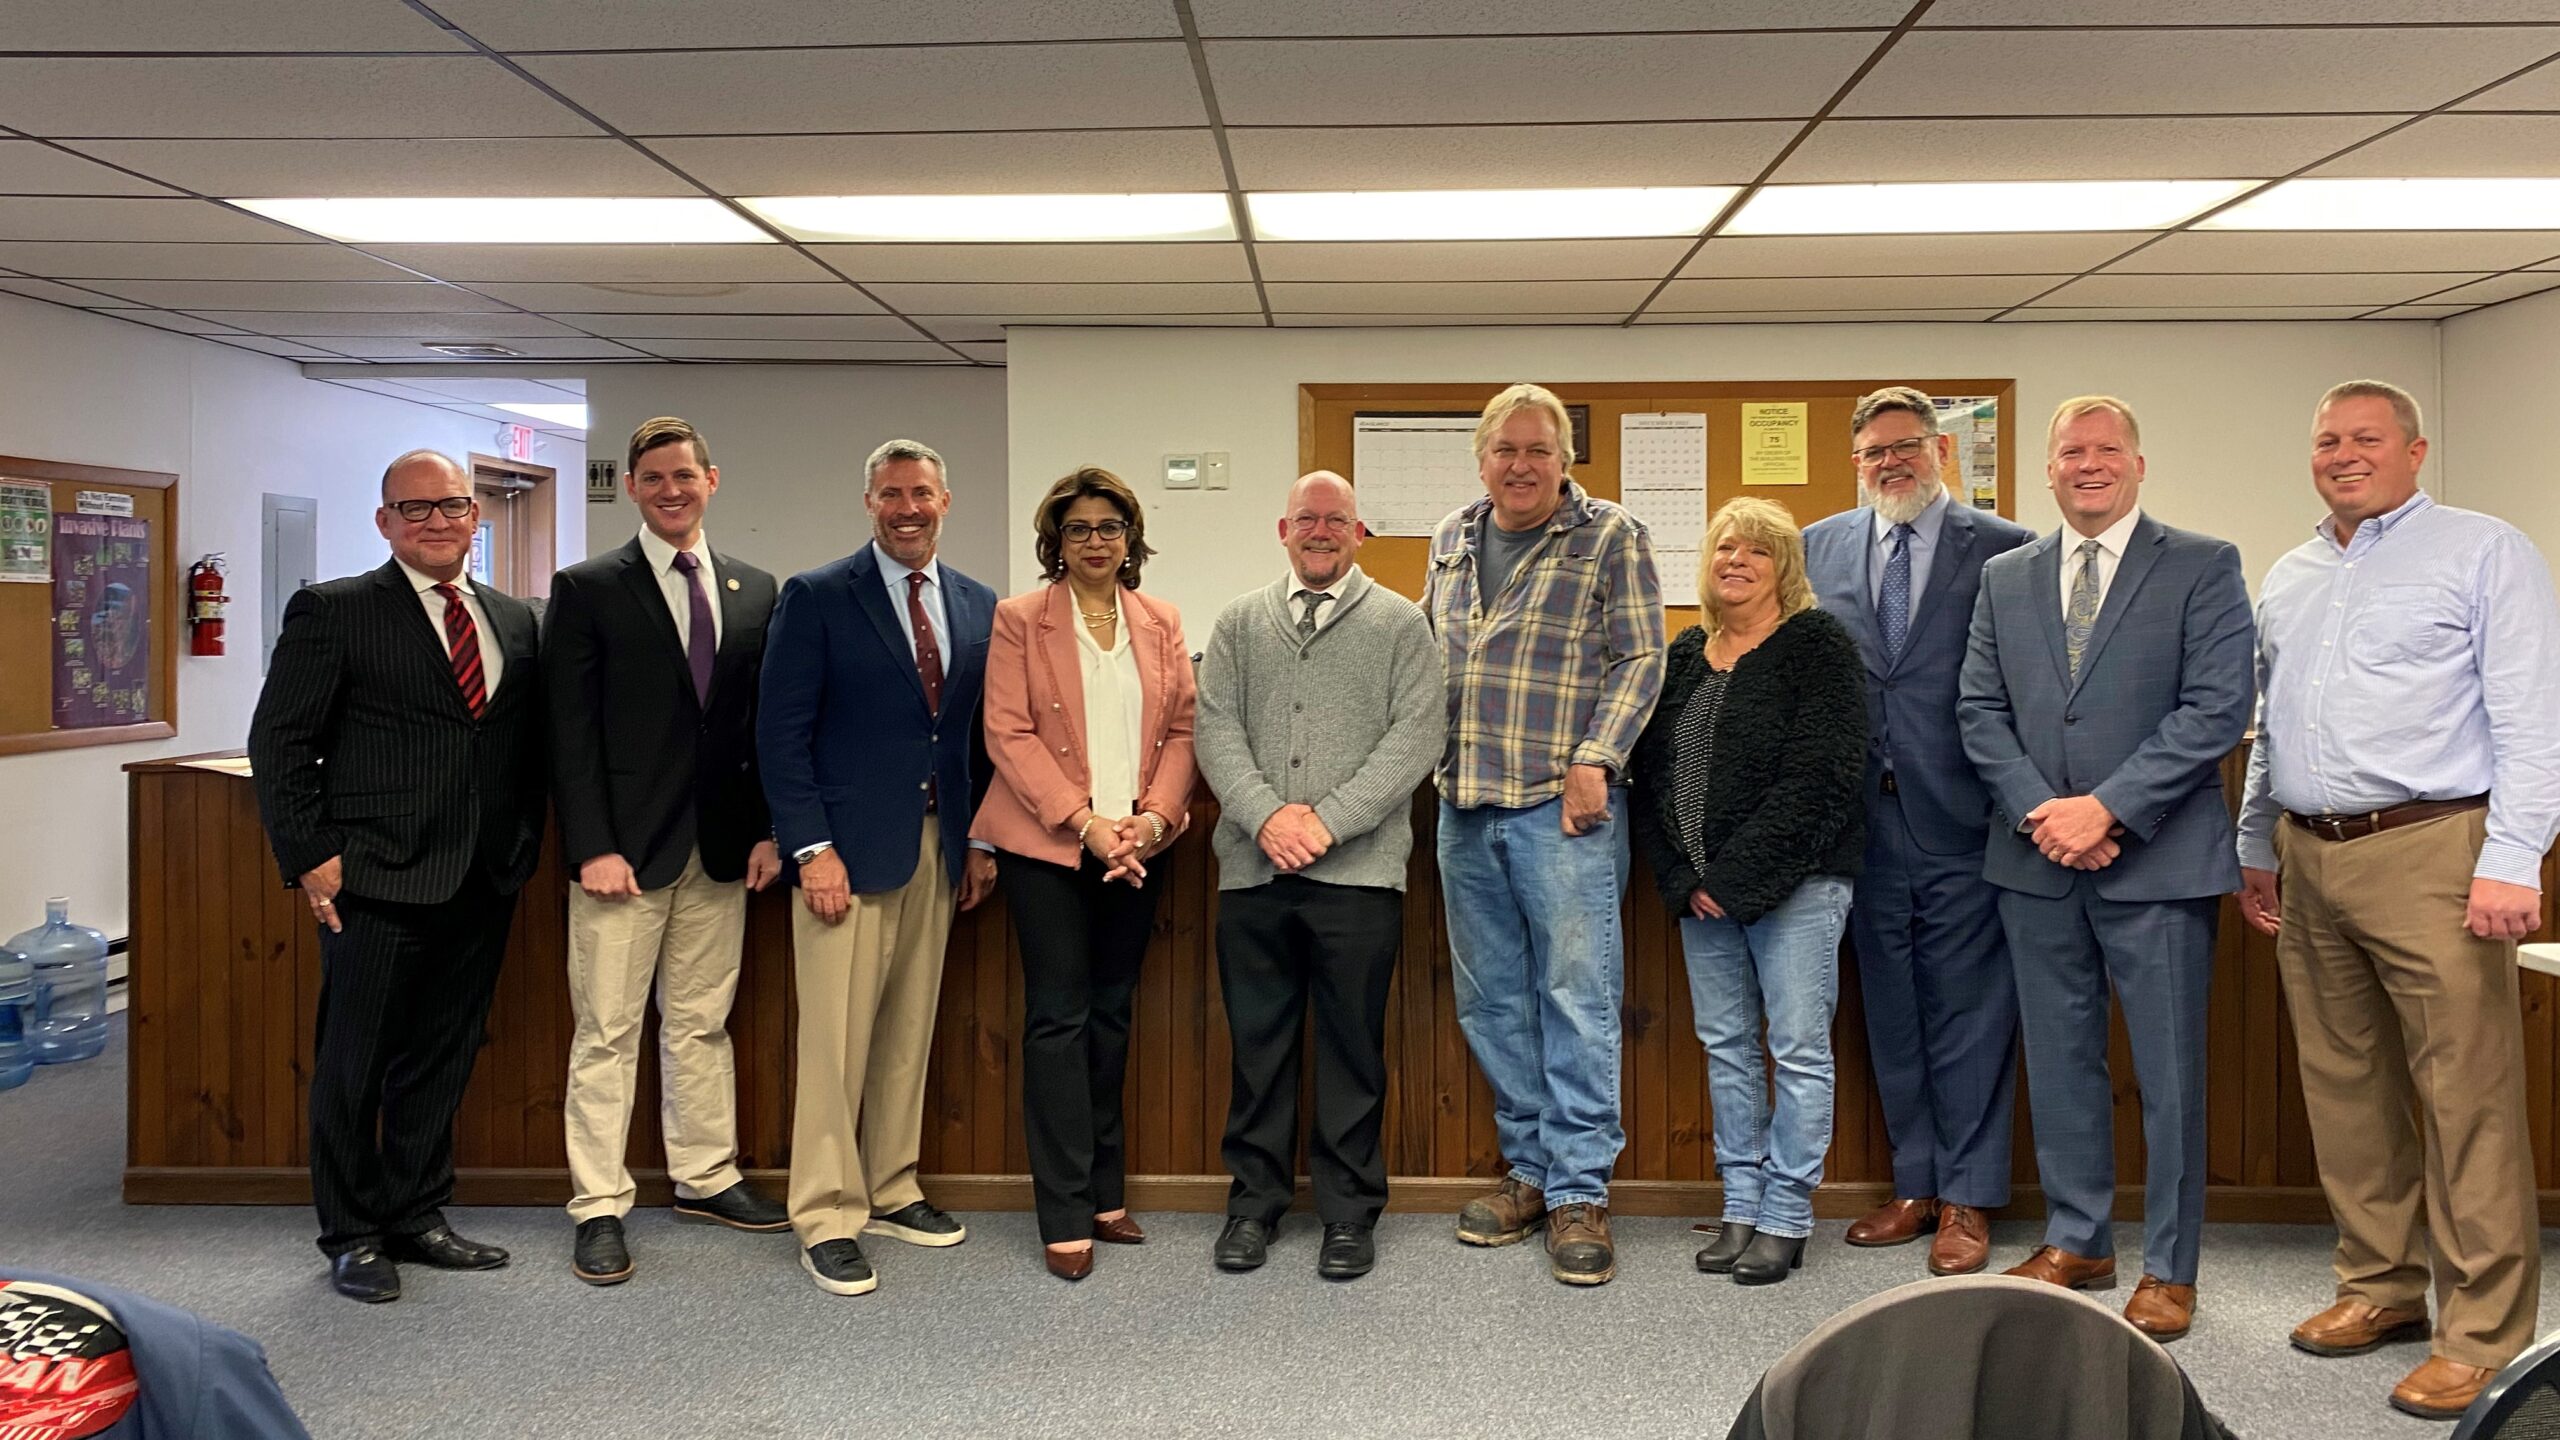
(807, 853)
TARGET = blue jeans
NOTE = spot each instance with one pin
(1783, 968)
(1539, 967)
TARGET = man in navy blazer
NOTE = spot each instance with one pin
(1901, 572)
(2109, 672)
(868, 718)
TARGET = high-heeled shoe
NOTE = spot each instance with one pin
(1120, 1229)
(1768, 1259)
(1722, 1251)
(1068, 1264)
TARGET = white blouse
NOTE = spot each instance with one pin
(1114, 706)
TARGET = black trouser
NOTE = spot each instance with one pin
(1082, 942)
(404, 1001)
(1280, 946)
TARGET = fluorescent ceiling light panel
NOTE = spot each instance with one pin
(508, 221)
(961, 219)
(2430, 204)
(573, 416)
(1485, 214)
(1991, 207)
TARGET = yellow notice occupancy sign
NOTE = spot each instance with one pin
(1773, 443)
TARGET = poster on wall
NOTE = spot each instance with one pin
(26, 533)
(1773, 443)
(1974, 421)
(101, 621)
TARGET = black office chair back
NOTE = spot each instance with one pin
(2523, 1403)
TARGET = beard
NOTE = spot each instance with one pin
(1902, 509)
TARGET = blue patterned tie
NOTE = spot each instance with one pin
(2081, 615)
(1893, 599)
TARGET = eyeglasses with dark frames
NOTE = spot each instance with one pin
(1899, 450)
(452, 507)
(1076, 532)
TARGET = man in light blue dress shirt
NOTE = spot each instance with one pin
(2404, 786)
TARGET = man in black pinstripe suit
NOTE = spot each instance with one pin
(398, 747)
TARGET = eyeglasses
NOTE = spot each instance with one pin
(451, 507)
(1309, 524)
(1076, 532)
(1900, 450)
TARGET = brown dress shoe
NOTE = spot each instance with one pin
(1509, 1215)
(1121, 1229)
(1896, 1222)
(1963, 1241)
(1068, 1264)
(2441, 1389)
(2056, 1266)
(2161, 1310)
(2351, 1327)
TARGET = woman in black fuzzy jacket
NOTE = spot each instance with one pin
(1747, 808)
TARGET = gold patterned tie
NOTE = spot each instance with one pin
(2082, 613)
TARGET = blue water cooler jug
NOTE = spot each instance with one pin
(70, 961)
(17, 1010)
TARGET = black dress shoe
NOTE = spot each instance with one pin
(1727, 1247)
(1349, 1252)
(919, 1223)
(1243, 1245)
(600, 1257)
(365, 1274)
(739, 1207)
(839, 1267)
(444, 1250)
(1768, 1259)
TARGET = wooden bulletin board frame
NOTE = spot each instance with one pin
(26, 614)
(1324, 443)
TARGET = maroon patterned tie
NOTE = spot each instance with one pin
(462, 639)
(928, 650)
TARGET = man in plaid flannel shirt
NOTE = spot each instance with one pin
(1550, 622)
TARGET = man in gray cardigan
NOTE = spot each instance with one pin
(1321, 708)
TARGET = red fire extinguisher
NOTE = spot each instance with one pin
(204, 605)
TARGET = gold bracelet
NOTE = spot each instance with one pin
(1156, 821)
(1090, 821)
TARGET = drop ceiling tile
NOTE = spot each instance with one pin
(2537, 91)
(1580, 78)
(2209, 290)
(2168, 72)
(1844, 151)
(1228, 18)
(161, 260)
(986, 354)
(992, 327)
(831, 298)
(2458, 145)
(505, 325)
(605, 264)
(1040, 264)
(976, 327)
(1812, 255)
(1461, 297)
(378, 297)
(2495, 289)
(267, 25)
(972, 87)
(1937, 292)
(172, 320)
(79, 297)
(30, 168)
(1335, 320)
(2230, 12)
(691, 25)
(1474, 260)
(744, 327)
(396, 389)
(289, 349)
(2103, 314)
(415, 348)
(2367, 251)
(1168, 299)
(990, 163)
(1458, 157)
(368, 167)
(442, 95)
(922, 351)
(87, 219)
(490, 389)
(2421, 312)
(1812, 317)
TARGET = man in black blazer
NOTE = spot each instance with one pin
(650, 659)
(398, 749)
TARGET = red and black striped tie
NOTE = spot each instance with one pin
(463, 641)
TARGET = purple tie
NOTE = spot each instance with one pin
(700, 643)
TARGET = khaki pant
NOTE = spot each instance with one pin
(868, 986)
(2413, 1071)
(686, 937)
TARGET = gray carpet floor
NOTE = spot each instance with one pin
(720, 1334)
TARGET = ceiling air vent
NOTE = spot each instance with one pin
(478, 352)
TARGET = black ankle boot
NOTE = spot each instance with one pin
(1768, 1259)
(1718, 1257)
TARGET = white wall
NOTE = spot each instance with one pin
(790, 441)
(231, 426)
(2225, 408)
(2494, 429)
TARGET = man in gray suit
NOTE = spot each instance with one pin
(1901, 572)
(2108, 674)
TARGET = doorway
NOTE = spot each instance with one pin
(514, 550)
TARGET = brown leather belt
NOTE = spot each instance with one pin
(2373, 822)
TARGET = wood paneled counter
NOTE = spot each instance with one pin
(225, 971)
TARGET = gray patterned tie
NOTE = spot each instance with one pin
(1308, 600)
(2082, 613)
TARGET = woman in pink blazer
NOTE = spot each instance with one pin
(1088, 719)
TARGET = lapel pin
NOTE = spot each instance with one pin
(733, 584)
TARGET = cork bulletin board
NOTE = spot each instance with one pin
(89, 605)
